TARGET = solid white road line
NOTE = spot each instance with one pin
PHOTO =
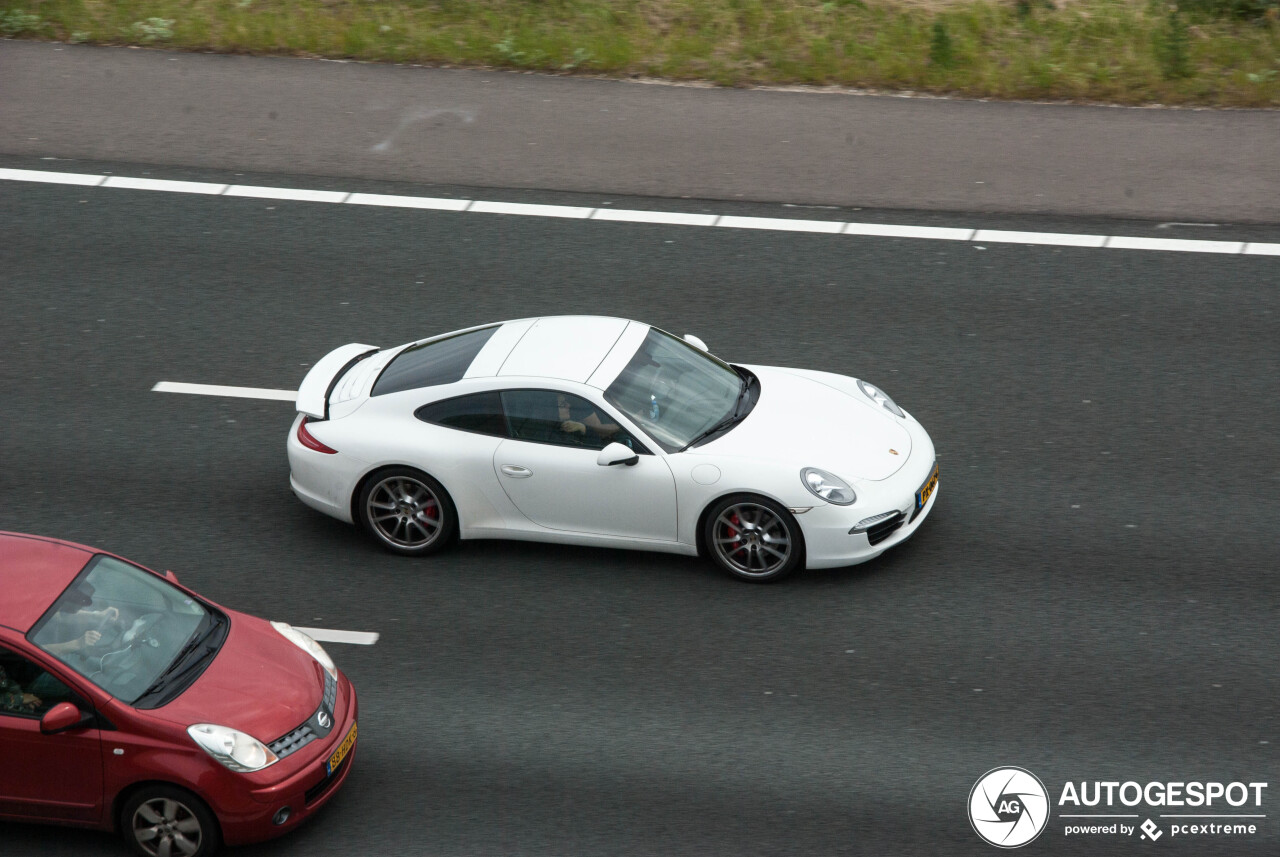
(531, 210)
(50, 177)
(296, 194)
(327, 635)
(408, 201)
(673, 218)
(1121, 242)
(781, 224)
(126, 183)
(889, 230)
(1253, 249)
(1060, 239)
(875, 230)
(219, 390)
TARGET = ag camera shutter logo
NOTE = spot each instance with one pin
(1008, 807)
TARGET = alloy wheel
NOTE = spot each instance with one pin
(752, 540)
(404, 512)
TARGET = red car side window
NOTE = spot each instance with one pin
(26, 690)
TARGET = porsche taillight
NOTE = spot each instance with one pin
(308, 440)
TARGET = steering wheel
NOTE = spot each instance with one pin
(108, 629)
(139, 633)
(116, 666)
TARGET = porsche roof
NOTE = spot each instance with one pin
(569, 347)
(33, 572)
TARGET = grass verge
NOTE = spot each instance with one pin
(1206, 52)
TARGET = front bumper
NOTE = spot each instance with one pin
(829, 544)
(303, 789)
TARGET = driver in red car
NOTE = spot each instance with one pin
(72, 628)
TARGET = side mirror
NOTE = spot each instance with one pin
(696, 342)
(62, 717)
(616, 453)
(169, 575)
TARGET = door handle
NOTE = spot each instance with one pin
(515, 471)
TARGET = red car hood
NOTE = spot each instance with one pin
(259, 683)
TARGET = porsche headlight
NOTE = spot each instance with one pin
(308, 645)
(236, 750)
(826, 486)
(880, 397)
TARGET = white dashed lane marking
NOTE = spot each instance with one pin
(220, 390)
(674, 218)
(328, 635)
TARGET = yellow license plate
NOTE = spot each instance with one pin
(341, 753)
(927, 489)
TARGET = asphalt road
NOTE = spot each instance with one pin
(509, 130)
(1094, 597)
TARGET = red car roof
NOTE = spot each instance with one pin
(33, 572)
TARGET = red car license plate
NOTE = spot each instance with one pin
(335, 758)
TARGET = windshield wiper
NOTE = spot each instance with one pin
(744, 395)
(176, 666)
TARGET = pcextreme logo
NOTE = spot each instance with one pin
(1009, 807)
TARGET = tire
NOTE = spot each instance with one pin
(753, 538)
(407, 512)
(157, 816)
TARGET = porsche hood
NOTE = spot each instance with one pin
(816, 419)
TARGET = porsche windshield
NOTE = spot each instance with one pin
(123, 628)
(675, 392)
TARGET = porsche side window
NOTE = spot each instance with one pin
(26, 690)
(563, 419)
(478, 412)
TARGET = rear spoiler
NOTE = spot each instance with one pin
(313, 395)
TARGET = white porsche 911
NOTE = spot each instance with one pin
(602, 431)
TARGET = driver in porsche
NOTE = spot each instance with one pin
(586, 425)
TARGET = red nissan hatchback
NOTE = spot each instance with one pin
(129, 703)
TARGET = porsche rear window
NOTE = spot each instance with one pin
(440, 361)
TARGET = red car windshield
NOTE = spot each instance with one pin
(121, 628)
